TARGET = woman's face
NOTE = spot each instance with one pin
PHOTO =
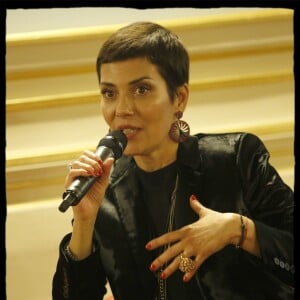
(135, 99)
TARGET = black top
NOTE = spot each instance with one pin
(156, 198)
(157, 201)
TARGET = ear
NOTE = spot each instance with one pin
(182, 96)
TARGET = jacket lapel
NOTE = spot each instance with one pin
(190, 181)
(133, 216)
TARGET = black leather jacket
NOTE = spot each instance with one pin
(228, 173)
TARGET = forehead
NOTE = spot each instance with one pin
(128, 70)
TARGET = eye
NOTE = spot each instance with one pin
(141, 90)
(108, 93)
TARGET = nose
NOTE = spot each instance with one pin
(124, 106)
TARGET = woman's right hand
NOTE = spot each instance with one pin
(88, 164)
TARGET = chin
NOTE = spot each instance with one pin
(130, 152)
(134, 151)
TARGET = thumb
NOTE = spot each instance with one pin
(197, 206)
(107, 165)
(103, 180)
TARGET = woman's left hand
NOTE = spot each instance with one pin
(199, 240)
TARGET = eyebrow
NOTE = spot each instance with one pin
(135, 81)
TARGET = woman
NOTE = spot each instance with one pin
(180, 217)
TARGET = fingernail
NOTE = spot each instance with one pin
(148, 246)
(162, 275)
(193, 197)
(96, 173)
(185, 278)
(152, 267)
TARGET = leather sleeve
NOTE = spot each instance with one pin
(77, 280)
(270, 204)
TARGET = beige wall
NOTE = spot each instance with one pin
(241, 80)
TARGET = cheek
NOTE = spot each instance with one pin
(107, 113)
(160, 120)
(163, 113)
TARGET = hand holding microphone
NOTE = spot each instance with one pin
(112, 145)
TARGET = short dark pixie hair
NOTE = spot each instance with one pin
(153, 42)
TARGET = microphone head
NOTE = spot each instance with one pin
(116, 140)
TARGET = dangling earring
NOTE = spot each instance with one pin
(180, 130)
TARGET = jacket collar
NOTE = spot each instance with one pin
(188, 153)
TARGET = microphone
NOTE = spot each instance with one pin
(112, 145)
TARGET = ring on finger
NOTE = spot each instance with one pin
(186, 264)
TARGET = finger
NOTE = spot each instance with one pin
(188, 275)
(91, 159)
(88, 161)
(164, 239)
(80, 168)
(197, 206)
(171, 268)
(174, 266)
(106, 167)
(92, 167)
(90, 154)
(76, 172)
(87, 154)
(166, 256)
(103, 178)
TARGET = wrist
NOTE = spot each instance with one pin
(81, 243)
(233, 226)
(73, 257)
(70, 254)
(237, 229)
(84, 220)
(242, 232)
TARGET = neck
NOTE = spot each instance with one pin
(155, 161)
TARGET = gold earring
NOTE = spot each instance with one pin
(180, 130)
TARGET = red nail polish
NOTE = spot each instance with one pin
(193, 197)
(148, 246)
(185, 278)
(152, 267)
(162, 275)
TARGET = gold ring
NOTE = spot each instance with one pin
(186, 264)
